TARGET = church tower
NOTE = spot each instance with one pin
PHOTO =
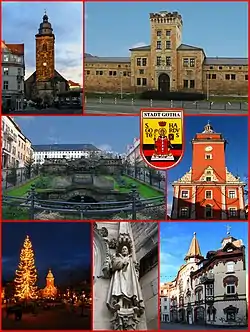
(194, 252)
(50, 290)
(45, 51)
(208, 190)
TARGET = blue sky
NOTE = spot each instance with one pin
(176, 238)
(105, 132)
(234, 130)
(20, 23)
(114, 27)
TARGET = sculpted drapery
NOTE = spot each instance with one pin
(124, 291)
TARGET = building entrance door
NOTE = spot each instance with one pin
(164, 82)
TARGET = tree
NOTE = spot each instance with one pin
(29, 167)
(11, 176)
(26, 274)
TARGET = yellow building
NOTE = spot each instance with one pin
(167, 65)
(16, 147)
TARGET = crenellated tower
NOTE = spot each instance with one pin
(166, 36)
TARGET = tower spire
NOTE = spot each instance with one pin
(194, 250)
(208, 128)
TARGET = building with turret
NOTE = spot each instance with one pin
(50, 291)
(45, 83)
(208, 190)
(209, 290)
(167, 64)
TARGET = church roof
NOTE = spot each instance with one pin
(194, 249)
(32, 77)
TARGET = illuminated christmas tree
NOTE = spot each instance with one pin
(26, 274)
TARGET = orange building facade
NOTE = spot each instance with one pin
(50, 291)
(208, 190)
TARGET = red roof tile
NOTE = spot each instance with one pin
(17, 49)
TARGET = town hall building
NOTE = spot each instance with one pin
(208, 190)
(45, 83)
(167, 64)
(208, 290)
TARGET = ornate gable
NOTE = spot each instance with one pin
(186, 178)
(230, 178)
(209, 172)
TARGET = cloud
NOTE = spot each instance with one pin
(24, 118)
(139, 44)
(105, 147)
(169, 208)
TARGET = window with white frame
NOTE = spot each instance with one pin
(185, 194)
(231, 289)
(232, 212)
(232, 193)
(208, 194)
(184, 212)
(230, 267)
(208, 156)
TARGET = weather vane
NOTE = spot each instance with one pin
(228, 229)
(45, 12)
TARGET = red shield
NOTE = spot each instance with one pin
(161, 137)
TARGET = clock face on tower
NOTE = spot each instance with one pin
(208, 148)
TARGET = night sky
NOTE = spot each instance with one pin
(63, 247)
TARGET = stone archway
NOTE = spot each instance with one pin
(164, 83)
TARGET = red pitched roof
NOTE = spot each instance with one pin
(71, 83)
(17, 49)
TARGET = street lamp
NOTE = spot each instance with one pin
(121, 92)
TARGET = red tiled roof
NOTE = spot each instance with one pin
(17, 49)
(73, 83)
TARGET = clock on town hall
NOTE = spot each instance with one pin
(208, 148)
(45, 82)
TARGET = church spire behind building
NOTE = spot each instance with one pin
(194, 250)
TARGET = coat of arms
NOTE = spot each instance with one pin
(162, 137)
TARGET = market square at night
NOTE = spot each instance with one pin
(46, 276)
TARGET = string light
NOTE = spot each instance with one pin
(26, 274)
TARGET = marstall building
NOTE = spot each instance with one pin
(210, 290)
(167, 65)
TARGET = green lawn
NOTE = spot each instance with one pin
(146, 191)
(228, 99)
(20, 191)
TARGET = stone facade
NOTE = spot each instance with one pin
(210, 290)
(143, 237)
(167, 65)
(45, 57)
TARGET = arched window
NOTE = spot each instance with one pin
(45, 47)
(208, 211)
